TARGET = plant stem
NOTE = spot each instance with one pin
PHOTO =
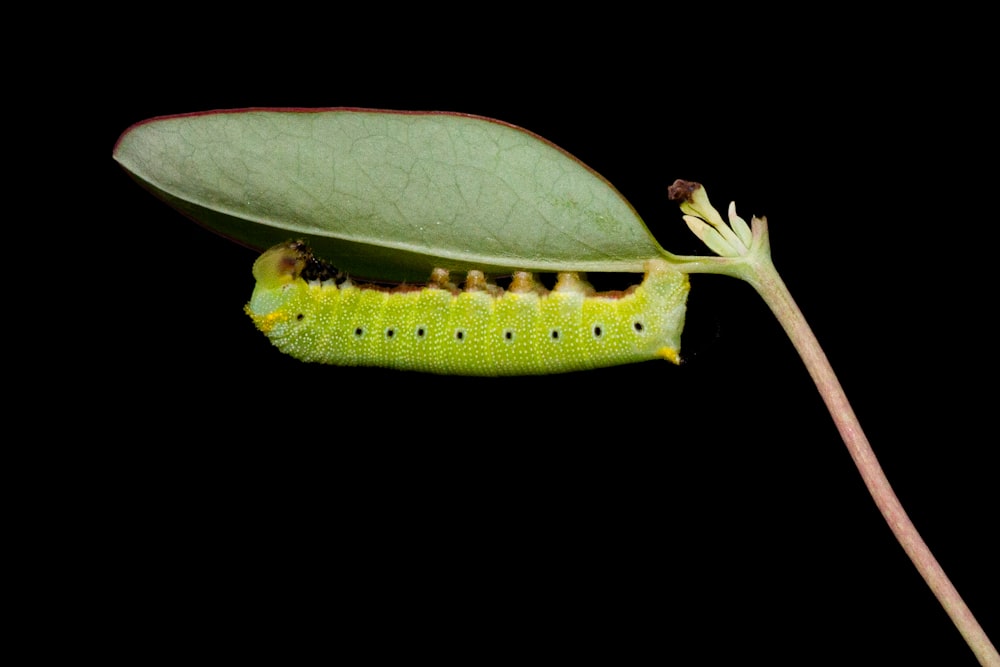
(765, 279)
(749, 259)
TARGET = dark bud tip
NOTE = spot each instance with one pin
(681, 191)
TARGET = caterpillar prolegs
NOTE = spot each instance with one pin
(313, 313)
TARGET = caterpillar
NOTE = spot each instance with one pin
(316, 314)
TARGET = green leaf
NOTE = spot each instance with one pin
(389, 194)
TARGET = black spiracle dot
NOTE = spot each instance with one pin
(597, 332)
(359, 332)
(299, 316)
(459, 335)
(389, 333)
(508, 335)
(421, 332)
(555, 334)
(637, 326)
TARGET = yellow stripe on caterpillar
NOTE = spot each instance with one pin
(313, 313)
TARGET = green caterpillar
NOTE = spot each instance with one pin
(313, 313)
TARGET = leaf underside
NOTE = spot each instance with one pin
(389, 194)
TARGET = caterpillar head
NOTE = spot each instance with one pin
(276, 272)
(281, 264)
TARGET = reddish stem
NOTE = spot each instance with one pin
(769, 285)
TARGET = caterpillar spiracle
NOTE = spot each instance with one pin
(313, 313)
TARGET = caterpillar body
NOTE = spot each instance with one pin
(313, 313)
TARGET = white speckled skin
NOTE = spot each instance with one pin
(522, 331)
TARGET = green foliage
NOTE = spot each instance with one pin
(389, 194)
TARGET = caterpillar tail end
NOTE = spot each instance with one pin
(670, 354)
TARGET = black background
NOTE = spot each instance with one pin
(709, 510)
